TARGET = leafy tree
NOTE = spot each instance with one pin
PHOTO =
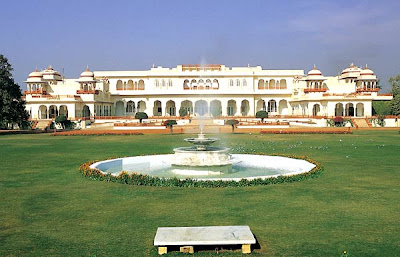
(262, 115)
(381, 107)
(233, 123)
(183, 112)
(395, 84)
(395, 103)
(141, 116)
(170, 124)
(12, 107)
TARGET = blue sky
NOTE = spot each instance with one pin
(134, 35)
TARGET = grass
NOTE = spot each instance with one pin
(49, 209)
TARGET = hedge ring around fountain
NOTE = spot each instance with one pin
(203, 162)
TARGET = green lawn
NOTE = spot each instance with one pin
(49, 209)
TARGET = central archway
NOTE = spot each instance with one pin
(201, 108)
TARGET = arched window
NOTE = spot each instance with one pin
(283, 84)
(141, 85)
(130, 85)
(120, 85)
(272, 84)
(271, 106)
(186, 84)
(261, 84)
(238, 83)
(156, 83)
(208, 84)
(215, 84)
(163, 83)
(193, 84)
(130, 106)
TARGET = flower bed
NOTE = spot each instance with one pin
(305, 131)
(146, 180)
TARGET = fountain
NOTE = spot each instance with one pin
(201, 161)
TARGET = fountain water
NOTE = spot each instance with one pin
(201, 159)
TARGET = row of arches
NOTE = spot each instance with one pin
(200, 108)
(272, 84)
(200, 84)
(349, 110)
(130, 85)
(52, 112)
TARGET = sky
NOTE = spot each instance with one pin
(134, 35)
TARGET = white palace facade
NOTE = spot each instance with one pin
(206, 90)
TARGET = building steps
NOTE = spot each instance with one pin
(43, 124)
(361, 123)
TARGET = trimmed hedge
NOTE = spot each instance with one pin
(137, 179)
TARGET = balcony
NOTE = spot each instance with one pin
(82, 91)
(313, 90)
(360, 90)
(35, 92)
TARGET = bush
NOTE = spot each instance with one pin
(233, 123)
(262, 115)
(170, 124)
(183, 112)
(65, 123)
(141, 116)
(339, 121)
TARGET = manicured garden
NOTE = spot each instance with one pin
(48, 208)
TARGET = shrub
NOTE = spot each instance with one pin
(339, 121)
(233, 123)
(65, 123)
(183, 112)
(141, 116)
(170, 124)
(262, 115)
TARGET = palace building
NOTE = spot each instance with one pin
(203, 90)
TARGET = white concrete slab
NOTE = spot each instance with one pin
(210, 235)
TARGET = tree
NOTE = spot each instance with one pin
(395, 103)
(170, 124)
(395, 84)
(261, 115)
(183, 112)
(141, 116)
(381, 107)
(12, 107)
(233, 123)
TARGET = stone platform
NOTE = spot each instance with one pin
(188, 237)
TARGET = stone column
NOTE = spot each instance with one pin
(224, 106)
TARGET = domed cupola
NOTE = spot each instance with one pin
(314, 74)
(350, 72)
(366, 74)
(367, 81)
(50, 74)
(35, 76)
(314, 81)
(87, 76)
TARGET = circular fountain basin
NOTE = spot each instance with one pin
(244, 166)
